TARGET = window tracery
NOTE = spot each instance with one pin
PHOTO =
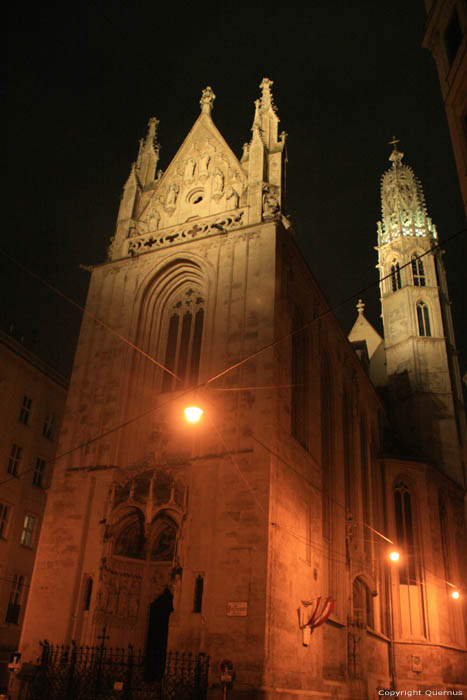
(185, 331)
(423, 319)
(418, 271)
(395, 276)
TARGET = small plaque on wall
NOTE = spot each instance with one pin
(237, 609)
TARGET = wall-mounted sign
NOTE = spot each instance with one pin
(237, 608)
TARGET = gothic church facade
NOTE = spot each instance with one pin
(266, 527)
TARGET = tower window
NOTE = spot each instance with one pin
(395, 276)
(183, 350)
(423, 318)
(418, 272)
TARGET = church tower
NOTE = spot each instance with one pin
(422, 368)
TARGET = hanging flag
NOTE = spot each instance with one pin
(312, 613)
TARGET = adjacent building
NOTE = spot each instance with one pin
(446, 38)
(32, 403)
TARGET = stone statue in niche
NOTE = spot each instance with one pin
(204, 165)
(231, 193)
(154, 220)
(189, 172)
(218, 184)
(270, 204)
(172, 196)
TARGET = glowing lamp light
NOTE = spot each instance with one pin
(193, 413)
(455, 595)
(394, 556)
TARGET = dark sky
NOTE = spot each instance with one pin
(83, 83)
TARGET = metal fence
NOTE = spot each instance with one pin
(102, 673)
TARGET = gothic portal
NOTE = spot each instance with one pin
(260, 534)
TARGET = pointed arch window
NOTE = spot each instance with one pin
(362, 604)
(395, 276)
(423, 319)
(129, 542)
(418, 271)
(183, 349)
(405, 533)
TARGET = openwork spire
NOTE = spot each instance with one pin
(402, 202)
(207, 100)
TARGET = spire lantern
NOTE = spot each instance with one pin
(207, 100)
(402, 202)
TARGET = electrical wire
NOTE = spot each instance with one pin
(212, 379)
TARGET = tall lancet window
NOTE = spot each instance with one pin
(395, 276)
(418, 271)
(423, 318)
(405, 534)
(411, 599)
(184, 335)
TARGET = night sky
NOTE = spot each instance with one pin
(347, 76)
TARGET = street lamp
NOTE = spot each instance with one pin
(193, 413)
(394, 555)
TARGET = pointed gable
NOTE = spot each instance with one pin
(204, 179)
(362, 330)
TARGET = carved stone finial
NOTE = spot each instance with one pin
(151, 136)
(257, 119)
(360, 307)
(266, 96)
(207, 100)
(396, 155)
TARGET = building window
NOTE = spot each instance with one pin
(14, 460)
(395, 276)
(49, 426)
(423, 318)
(14, 601)
(362, 604)
(300, 380)
(418, 271)
(183, 349)
(405, 534)
(25, 410)
(4, 513)
(27, 535)
(39, 472)
(453, 37)
(88, 593)
(198, 594)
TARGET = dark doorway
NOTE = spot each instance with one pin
(156, 645)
